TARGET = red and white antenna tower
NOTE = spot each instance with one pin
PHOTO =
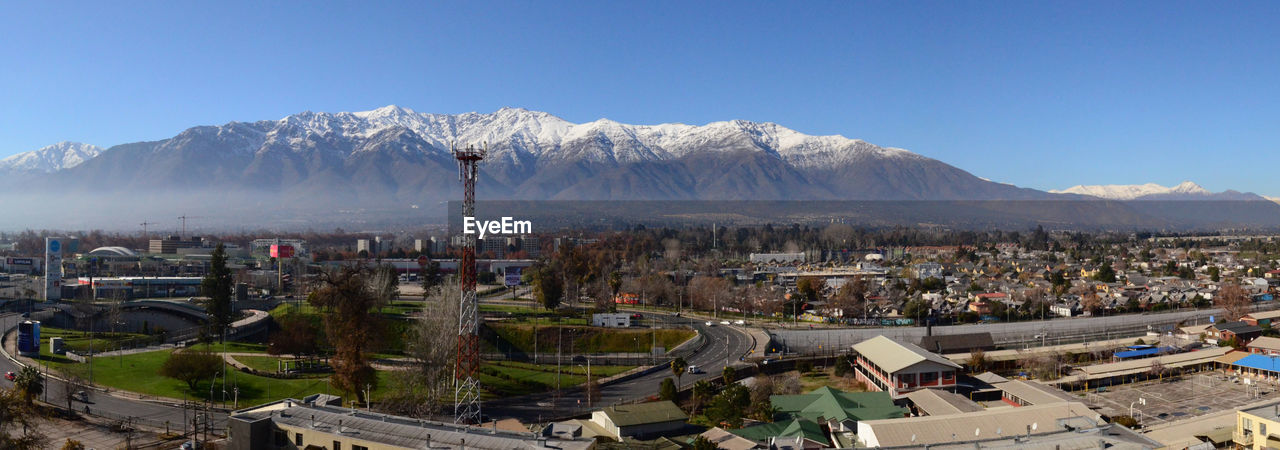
(466, 396)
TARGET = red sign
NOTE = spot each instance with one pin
(281, 251)
(422, 260)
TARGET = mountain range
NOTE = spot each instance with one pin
(393, 158)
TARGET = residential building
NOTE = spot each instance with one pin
(896, 367)
(1265, 345)
(835, 409)
(171, 244)
(644, 420)
(1225, 331)
(319, 421)
(1258, 428)
(1263, 319)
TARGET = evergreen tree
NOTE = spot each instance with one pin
(218, 285)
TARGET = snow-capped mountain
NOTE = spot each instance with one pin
(396, 154)
(53, 158)
(1186, 190)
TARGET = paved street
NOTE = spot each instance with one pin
(150, 413)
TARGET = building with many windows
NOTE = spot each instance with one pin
(887, 365)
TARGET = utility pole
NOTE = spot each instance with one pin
(466, 397)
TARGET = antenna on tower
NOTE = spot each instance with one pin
(144, 228)
(466, 396)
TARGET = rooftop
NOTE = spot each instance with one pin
(893, 356)
(396, 430)
(826, 403)
(989, 424)
(643, 413)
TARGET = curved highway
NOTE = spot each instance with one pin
(149, 413)
(723, 345)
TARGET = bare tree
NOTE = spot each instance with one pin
(432, 342)
(1233, 300)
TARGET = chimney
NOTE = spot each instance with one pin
(428, 441)
(313, 421)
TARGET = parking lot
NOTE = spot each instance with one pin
(1189, 396)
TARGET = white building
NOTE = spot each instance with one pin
(612, 320)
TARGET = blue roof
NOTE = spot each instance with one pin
(1260, 362)
(1143, 352)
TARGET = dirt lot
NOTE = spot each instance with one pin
(1170, 400)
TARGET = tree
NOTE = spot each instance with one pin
(299, 334)
(728, 374)
(702, 443)
(17, 417)
(703, 390)
(1214, 274)
(1105, 274)
(808, 288)
(73, 444)
(667, 390)
(548, 287)
(349, 299)
(430, 276)
(30, 383)
(423, 388)
(678, 366)
(916, 309)
(977, 360)
(191, 366)
(74, 385)
(730, 406)
(218, 286)
(1233, 300)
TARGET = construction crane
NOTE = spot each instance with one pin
(144, 228)
(184, 218)
(466, 397)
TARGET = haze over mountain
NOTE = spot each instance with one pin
(395, 159)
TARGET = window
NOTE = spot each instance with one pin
(358, 447)
(337, 445)
(1262, 428)
(297, 439)
(282, 438)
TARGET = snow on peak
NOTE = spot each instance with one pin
(1132, 191)
(63, 155)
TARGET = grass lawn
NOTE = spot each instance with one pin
(101, 341)
(816, 379)
(140, 373)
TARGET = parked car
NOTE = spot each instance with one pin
(710, 323)
(739, 322)
(10, 376)
(724, 322)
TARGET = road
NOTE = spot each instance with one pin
(149, 413)
(725, 344)
(1033, 333)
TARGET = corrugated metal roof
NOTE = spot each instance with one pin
(1232, 357)
(1265, 343)
(643, 413)
(1169, 361)
(934, 402)
(1260, 362)
(401, 431)
(893, 356)
(930, 430)
(1034, 393)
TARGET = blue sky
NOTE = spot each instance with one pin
(1038, 94)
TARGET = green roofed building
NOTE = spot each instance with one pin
(810, 432)
(824, 417)
(839, 410)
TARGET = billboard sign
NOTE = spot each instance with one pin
(21, 261)
(281, 251)
(52, 269)
(513, 276)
